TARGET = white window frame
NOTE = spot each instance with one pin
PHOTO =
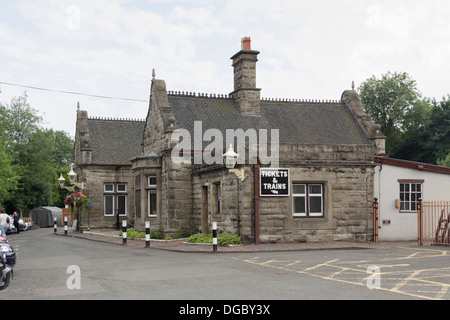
(126, 204)
(409, 194)
(108, 184)
(152, 185)
(315, 195)
(122, 184)
(152, 189)
(308, 195)
(298, 195)
(115, 194)
(219, 198)
(149, 203)
(107, 196)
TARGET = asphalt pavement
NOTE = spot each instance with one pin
(108, 269)
(180, 245)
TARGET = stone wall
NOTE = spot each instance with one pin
(176, 195)
(346, 172)
(95, 177)
(236, 205)
(174, 182)
(347, 208)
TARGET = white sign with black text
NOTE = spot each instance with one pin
(274, 182)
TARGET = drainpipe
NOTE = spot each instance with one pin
(238, 217)
(256, 200)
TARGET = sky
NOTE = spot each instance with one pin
(308, 50)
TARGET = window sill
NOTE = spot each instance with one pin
(307, 217)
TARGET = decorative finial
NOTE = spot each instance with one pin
(353, 85)
(78, 106)
(153, 74)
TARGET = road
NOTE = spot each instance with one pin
(53, 267)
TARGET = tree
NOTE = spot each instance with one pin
(63, 151)
(36, 184)
(445, 162)
(436, 139)
(395, 103)
(9, 173)
(40, 154)
(411, 144)
(23, 120)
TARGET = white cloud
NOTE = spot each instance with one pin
(308, 49)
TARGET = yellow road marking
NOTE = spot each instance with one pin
(403, 282)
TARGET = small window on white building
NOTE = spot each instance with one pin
(410, 193)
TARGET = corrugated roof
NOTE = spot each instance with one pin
(115, 141)
(298, 122)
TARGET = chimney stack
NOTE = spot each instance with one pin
(245, 92)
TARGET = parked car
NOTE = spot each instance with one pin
(22, 226)
(10, 254)
(5, 272)
(12, 228)
(3, 240)
(28, 224)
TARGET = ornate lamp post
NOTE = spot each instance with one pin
(72, 175)
(78, 185)
(230, 159)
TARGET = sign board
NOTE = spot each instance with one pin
(274, 182)
(74, 225)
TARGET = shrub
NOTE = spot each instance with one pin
(185, 232)
(228, 239)
(223, 239)
(200, 238)
(133, 234)
(156, 235)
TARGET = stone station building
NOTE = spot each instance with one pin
(304, 173)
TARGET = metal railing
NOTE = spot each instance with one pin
(434, 222)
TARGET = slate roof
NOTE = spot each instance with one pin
(298, 122)
(115, 141)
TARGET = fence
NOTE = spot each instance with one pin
(434, 222)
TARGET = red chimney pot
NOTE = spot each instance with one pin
(246, 43)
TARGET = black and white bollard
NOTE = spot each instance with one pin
(65, 225)
(214, 226)
(55, 226)
(124, 231)
(147, 234)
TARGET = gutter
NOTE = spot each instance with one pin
(256, 200)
